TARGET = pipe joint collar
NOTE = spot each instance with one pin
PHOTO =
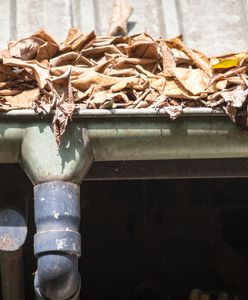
(57, 241)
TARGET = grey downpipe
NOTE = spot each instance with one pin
(57, 244)
(13, 232)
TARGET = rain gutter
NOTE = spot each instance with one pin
(110, 135)
(119, 112)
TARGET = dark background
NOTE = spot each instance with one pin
(150, 239)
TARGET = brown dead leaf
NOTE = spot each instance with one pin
(168, 59)
(39, 72)
(173, 111)
(72, 35)
(142, 46)
(107, 99)
(23, 100)
(195, 57)
(9, 92)
(70, 58)
(174, 89)
(64, 103)
(63, 114)
(99, 51)
(82, 41)
(194, 81)
(89, 78)
(26, 49)
(235, 71)
(121, 11)
(234, 99)
(39, 46)
(44, 35)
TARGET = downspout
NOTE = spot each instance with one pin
(57, 243)
(56, 177)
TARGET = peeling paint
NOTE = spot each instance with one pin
(55, 215)
(61, 243)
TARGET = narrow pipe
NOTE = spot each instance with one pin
(57, 243)
(13, 232)
(12, 275)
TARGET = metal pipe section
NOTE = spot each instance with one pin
(12, 275)
(13, 232)
(143, 112)
(158, 138)
(57, 243)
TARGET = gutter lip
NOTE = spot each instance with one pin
(99, 113)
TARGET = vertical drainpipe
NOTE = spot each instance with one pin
(13, 232)
(56, 177)
(57, 243)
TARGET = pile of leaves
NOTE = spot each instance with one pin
(110, 72)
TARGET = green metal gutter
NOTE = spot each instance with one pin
(110, 135)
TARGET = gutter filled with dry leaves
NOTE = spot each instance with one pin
(119, 91)
(123, 72)
(109, 98)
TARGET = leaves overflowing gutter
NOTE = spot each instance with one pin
(128, 72)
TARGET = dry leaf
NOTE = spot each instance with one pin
(23, 100)
(174, 111)
(121, 11)
(234, 100)
(235, 97)
(64, 103)
(38, 71)
(194, 81)
(167, 58)
(196, 59)
(26, 49)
